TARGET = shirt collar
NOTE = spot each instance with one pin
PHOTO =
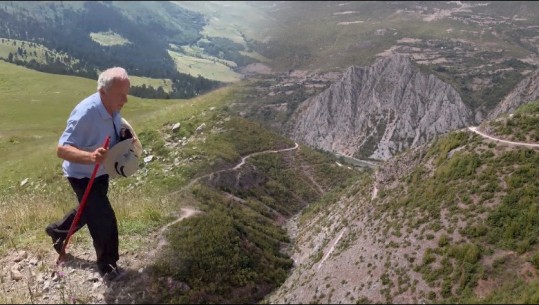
(102, 110)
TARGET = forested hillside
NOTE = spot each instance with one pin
(66, 27)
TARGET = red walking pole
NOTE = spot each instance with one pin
(81, 206)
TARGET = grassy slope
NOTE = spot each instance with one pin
(36, 52)
(235, 20)
(206, 68)
(37, 105)
(491, 192)
(461, 214)
(166, 84)
(204, 65)
(229, 19)
(108, 38)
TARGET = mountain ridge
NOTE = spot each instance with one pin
(436, 223)
(526, 91)
(390, 104)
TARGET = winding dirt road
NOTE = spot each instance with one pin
(484, 135)
(242, 162)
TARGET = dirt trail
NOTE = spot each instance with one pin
(34, 277)
(237, 166)
(474, 129)
(160, 235)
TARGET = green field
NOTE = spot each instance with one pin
(108, 39)
(166, 84)
(35, 107)
(204, 67)
(198, 52)
(229, 19)
(34, 51)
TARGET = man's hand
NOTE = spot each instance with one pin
(75, 155)
(99, 155)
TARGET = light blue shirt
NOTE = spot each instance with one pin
(88, 125)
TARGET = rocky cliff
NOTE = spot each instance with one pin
(526, 91)
(379, 110)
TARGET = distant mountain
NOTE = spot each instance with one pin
(452, 221)
(380, 110)
(526, 91)
(467, 61)
(143, 30)
(66, 26)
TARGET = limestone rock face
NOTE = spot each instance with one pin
(378, 111)
(526, 91)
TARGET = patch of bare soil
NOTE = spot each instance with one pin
(34, 277)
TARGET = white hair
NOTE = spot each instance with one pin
(107, 77)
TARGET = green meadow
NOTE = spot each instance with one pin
(207, 68)
(35, 107)
(108, 38)
(229, 19)
(155, 83)
(34, 51)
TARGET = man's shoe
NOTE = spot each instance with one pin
(114, 274)
(57, 242)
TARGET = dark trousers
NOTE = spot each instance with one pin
(100, 218)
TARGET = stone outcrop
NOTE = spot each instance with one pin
(378, 111)
(526, 91)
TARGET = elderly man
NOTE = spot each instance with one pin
(90, 123)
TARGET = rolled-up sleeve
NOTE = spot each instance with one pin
(76, 129)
